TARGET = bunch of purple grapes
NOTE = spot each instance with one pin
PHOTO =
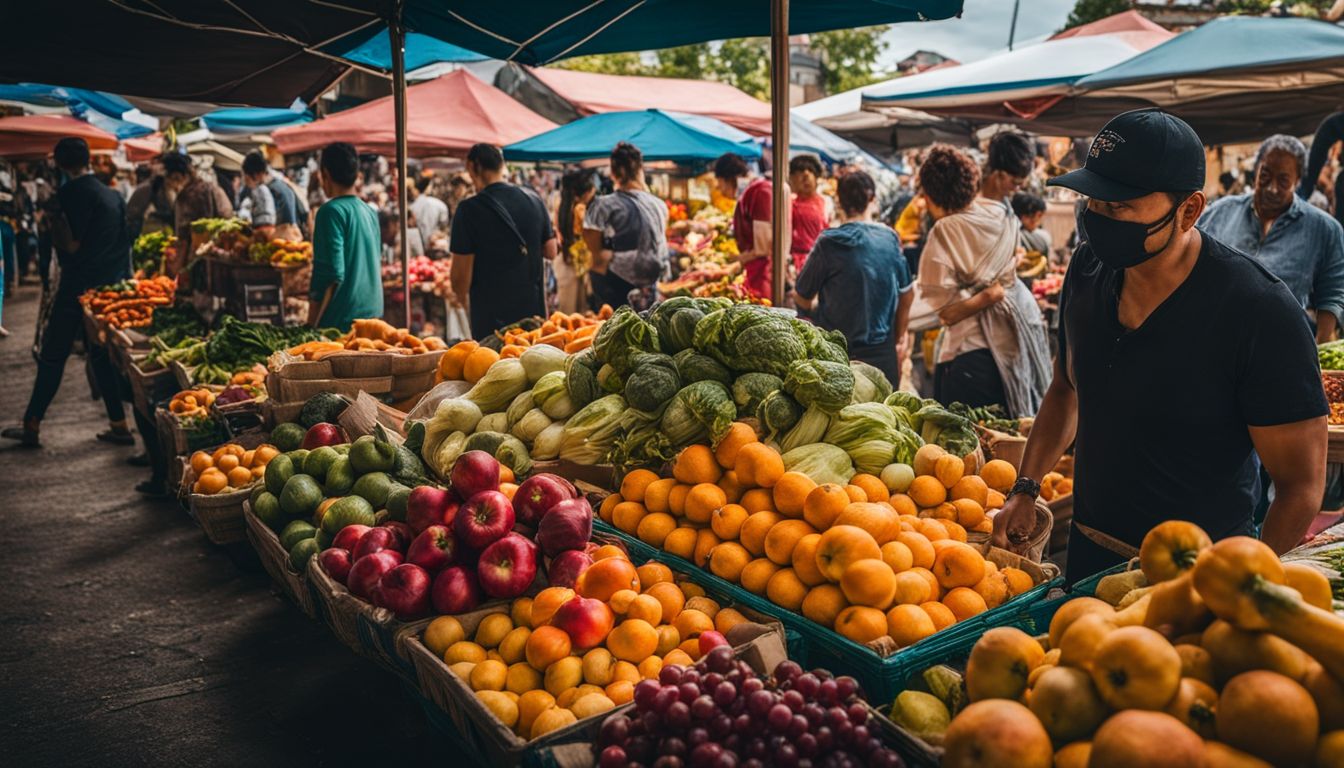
(719, 714)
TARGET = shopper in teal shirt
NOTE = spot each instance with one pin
(347, 284)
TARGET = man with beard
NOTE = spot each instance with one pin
(1301, 244)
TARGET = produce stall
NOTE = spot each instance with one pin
(239, 274)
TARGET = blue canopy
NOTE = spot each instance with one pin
(103, 110)
(806, 136)
(659, 135)
(375, 50)
(254, 119)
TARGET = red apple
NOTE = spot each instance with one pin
(711, 640)
(474, 472)
(450, 510)
(434, 549)
(567, 525)
(403, 532)
(367, 570)
(349, 536)
(322, 434)
(538, 493)
(375, 540)
(425, 506)
(507, 567)
(485, 518)
(455, 590)
(585, 620)
(567, 566)
(336, 562)
(404, 591)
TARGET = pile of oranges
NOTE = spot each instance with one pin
(534, 677)
(230, 468)
(865, 560)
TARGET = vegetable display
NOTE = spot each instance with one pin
(130, 303)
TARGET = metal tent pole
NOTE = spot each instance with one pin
(397, 34)
(779, 114)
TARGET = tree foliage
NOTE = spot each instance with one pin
(849, 56)
(630, 63)
(1088, 11)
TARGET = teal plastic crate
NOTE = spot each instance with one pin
(881, 677)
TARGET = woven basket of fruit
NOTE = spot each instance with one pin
(275, 559)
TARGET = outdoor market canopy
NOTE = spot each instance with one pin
(659, 135)
(807, 137)
(34, 136)
(421, 50)
(444, 117)
(882, 133)
(254, 119)
(104, 110)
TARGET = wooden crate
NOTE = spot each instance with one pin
(275, 560)
(149, 388)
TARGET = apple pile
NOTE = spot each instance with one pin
(720, 713)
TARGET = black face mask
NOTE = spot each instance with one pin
(1120, 244)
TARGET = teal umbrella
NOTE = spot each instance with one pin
(659, 135)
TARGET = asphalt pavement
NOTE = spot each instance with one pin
(126, 638)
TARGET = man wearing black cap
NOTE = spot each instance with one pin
(1180, 360)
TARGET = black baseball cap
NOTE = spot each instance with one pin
(1136, 154)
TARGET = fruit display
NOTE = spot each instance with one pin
(369, 335)
(1046, 289)
(720, 712)
(427, 275)
(281, 253)
(222, 238)
(879, 559)
(1325, 553)
(151, 251)
(230, 467)
(1213, 654)
(190, 403)
(129, 303)
(234, 346)
(569, 333)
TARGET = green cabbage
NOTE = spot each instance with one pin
(693, 366)
(622, 336)
(581, 378)
(956, 434)
(590, 433)
(857, 423)
(530, 425)
(751, 388)
(827, 385)
(501, 383)
(872, 456)
(908, 443)
(778, 412)
(519, 407)
(747, 337)
(822, 462)
(547, 444)
(642, 442)
(700, 412)
(677, 317)
(552, 396)
(609, 380)
(456, 414)
(542, 359)
(652, 383)
(829, 346)
(870, 384)
(811, 428)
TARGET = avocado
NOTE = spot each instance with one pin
(374, 488)
(300, 496)
(324, 406)
(296, 531)
(287, 436)
(278, 470)
(340, 477)
(301, 554)
(267, 509)
(351, 510)
(319, 461)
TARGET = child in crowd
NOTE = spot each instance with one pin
(1030, 210)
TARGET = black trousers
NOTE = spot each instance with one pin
(65, 324)
(609, 289)
(1086, 558)
(971, 378)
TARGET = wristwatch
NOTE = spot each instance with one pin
(1025, 485)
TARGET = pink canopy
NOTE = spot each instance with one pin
(36, 135)
(144, 148)
(445, 116)
(592, 93)
(1132, 27)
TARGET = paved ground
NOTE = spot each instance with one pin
(126, 638)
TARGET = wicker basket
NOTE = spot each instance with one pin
(426, 361)
(176, 441)
(341, 610)
(275, 560)
(149, 388)
(1039, 540)
(220, 515)
(360, 365)
(1001, 445)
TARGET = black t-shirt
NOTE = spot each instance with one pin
(1163, 410)
(97, 218)
(506, 283)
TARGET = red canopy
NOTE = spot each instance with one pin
(592, 93)
(445, 116)
(1131, 26)
(144, 148)
(36, 135)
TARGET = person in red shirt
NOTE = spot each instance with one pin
(751, 221)
(809, 208)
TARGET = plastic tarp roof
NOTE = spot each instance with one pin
(375, 50)
(36, 135)
(659, 135)
(882, 133)
(806, 137)
(443, 117)
(104, 110)
(254, 119)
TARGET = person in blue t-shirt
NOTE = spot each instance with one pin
(857, 281)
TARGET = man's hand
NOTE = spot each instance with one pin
(1013, 524)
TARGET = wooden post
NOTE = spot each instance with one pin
(779, 114)
(397, 35)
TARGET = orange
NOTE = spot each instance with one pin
(702, 604)
(933, 530)
(994, 500)
(984, 526)
(954, 530)
(903, 505)
(824, 603)
(949, 469)
(732, 487)
(621, 692)
(227, 463)
(264, 453)
(786, 590)
(897, 556)
(506, 474)
(690, 649)
(620, 602)
(690, 623)
(758, 500)
(201, 461)
(650, 667)
(942, 615)
(935, 589)
(696, 464)
(823, 504)
(728, 559)
(727, 521)
(652, 573)
(759, 465)
(546, 602)
(681, 542)
(521, 612)
(702, 500)
(228, 449)
(607, 510)
(861, 623)
(869, 582)
(678, 657)
(964, 603)
(633, 640)
(729, 618)
(754, 530)
(855, 493)
(756, 574)
(912, 588)
(627, 515)
(1018, 581)
(654, 529)
(879, 520)
(546, 645)
(478, 362)
(805, 560)
(609, 550)
(782, 537)
(636, 482)
(624, 670)
(239, 476)
(790, 492)
(646, 607)
(993, 588)
(211, 481)
(656, 493)
(971, 488)
(927, 492)
(908, 624)
(669, 597)
(246, 461)
(453, 361)
(958, 566)
(998, 475)
(944, 511)
(605, 577)
(738, 435)
(841, 546)
(872, 487)
(921, 550)
(705, 542)
(676, 499)
(508, 489)
(668, 639)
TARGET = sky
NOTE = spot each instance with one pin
(981, 30)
